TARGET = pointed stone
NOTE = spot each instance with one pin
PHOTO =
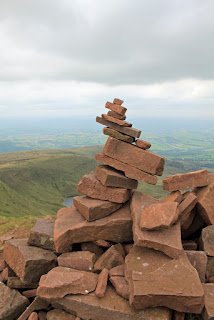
(93, 209)
(113, 257)
(102, 283)
(116, 115)
(116, 108)
(91, 187)
(157, 280)
(198, 260)
(78, 260)
(117, 121)
(117, 135)
(41, 235)
(143, 144)
(61, 281)
(207, 240)
(141, 159)
(166, 240)
(111, 177)
(71, 227)
(208, 313)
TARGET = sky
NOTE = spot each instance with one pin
(63, 58)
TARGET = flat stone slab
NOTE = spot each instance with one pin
(143, 144)
(111, 306)
(165, 240)
(187, 204)
(78, 260)
(12, 303)
(61, 281)
(157, 280)
(117, 121)
(41, 235)
(205, 203)
(117, 135)
(111, 177)
(208, 313)
(91, 187)
(188, 180)
(136, 157)
(28, 262)
(71, 227)
(116, 115)
(116, 107)
(198, 260)
(94, 209)
(207, 240)
(129, 171)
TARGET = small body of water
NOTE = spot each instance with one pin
(68, 202)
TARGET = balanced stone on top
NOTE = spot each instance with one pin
(116, 108)
(118, 101)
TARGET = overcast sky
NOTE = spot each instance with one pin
(68, 57)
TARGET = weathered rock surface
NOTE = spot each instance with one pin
(143, 144)
(111, 177)
(12, 303)
(208, 313)
(93, 209)
(141, 159)
(23, 258)
(117, 121)
(159, 216)
(207, 240)
(102, 283)
(78, 260)
(117, 135)
(117, 271)
(188, 180)
(33, 316)
(121, 286)
(129, 131)
(41, 235)
(116, 115)
(113, 257)
(198, 260)
(205, 203)
(130, 172)
(71, 227)
(91, 187)
(61, 281)
(157, 280)
(166, 240)
(111, 306)
(57, 314)
(37, 304)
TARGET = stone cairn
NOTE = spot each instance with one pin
(118, 253)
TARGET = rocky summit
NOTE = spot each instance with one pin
(118, 253)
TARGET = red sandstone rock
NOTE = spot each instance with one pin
(118, 101)
(37, 304)
(23, 258)
(198, 178)
(189, 245)
(111, 306)
(143, 144)
(103, 243)
(129, 131)
(78, 260)
(141, 159)
(4, 275)
(111, 177)
(33, 316)
(121, 286)
(102, 283)
(93, 188)
(61, 281)
(41, 235)
(129, 171)
(16, 283)
(117, 121)
(208, 313)
(117, 135)
(12, 303)
(93, 209)
(71, 227)
(113, 257)
(159, 216)
(118, 271)
(29, 293)
(207, 240)
(127, 247)
(116, 115)
(187, 204)
(173, 196)
(198, 260)
(59, 315)
(116, 108)
(157, 280)
(166, 240)
(92, 247)
(205, 203)
(187, 220)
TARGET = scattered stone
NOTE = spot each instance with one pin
(121, 286)
(116, 108)
(159, 216)
(113, 257)
(188, 180)
(33, 316)
(118, 271)
(130, 172)
(92, 247)
(111, 177)
(23, 259)
(207, 240)
(12, 303)
(111, 306)
(102, 283)
(116, 115)
(198, 260)
(71, 227)
(141, 159)
(91, 187)
(143, 144)
(57, 314)
(93, 209)
(165, 240)
(104, 243)
(16, 283)
(37, 304)
(157, 280)
(189, 245)
(208, 313)
(179, 315)
(61, 281)
(117, 121)
(29, 293)
(41, 235)
(78, 260)
(187, 204)
(117, 135)
(129, 131)
(174, 196)
(118, 101)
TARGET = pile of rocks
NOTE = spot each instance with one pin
(118, 253)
